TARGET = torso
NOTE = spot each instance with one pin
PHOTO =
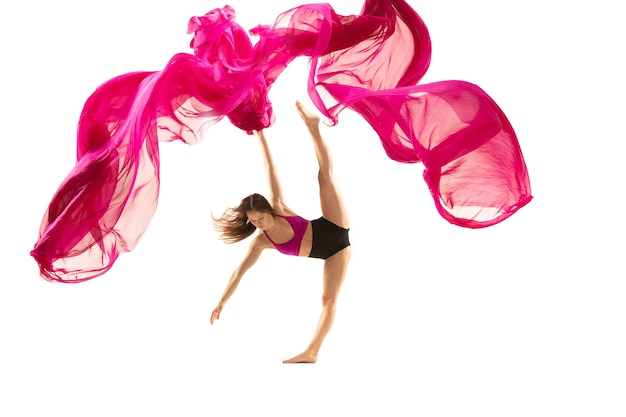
(284, 233)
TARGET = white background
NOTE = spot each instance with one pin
(525, 318)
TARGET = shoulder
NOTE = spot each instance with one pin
(261, 242)
(281, 209)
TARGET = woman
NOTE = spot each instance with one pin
(282, 229)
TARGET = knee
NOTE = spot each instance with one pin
(329, 301)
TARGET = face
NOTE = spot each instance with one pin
(260, 219)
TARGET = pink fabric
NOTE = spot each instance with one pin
(473, 163)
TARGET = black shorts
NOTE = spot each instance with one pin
(328, 238)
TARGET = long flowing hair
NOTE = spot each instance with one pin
(234, 225)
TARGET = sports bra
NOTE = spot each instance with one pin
(292, 247)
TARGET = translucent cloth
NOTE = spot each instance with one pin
(473, 164)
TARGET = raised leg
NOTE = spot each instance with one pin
(330, 200)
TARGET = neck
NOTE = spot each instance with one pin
(275, 227)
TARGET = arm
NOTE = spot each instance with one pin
(276, 191)
(254, 251)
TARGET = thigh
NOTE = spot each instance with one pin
(335, 269)
(331, 202)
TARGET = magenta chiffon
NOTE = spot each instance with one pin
(370, 63)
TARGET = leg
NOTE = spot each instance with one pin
(335, 269)
(330, 199)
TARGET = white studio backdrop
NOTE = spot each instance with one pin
(522, 318)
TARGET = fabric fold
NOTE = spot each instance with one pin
(370, 63)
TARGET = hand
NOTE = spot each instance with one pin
(216, 313)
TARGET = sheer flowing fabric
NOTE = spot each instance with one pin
(473, 164)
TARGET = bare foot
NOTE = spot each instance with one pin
(304, 357)
(311, 120)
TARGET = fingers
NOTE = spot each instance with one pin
(215, 315)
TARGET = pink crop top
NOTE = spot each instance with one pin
(292, 247)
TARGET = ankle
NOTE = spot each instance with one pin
(311, 352)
